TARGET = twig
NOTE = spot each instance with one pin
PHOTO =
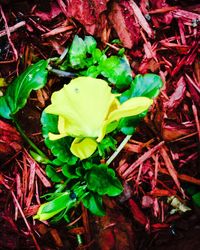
(156, 171)
(195, 112)
(55, 235)
(63, 7)
(38, 170)
(121, 146)
(58, 31)
(86, 224)
(172, 171)
(25, 220)
(8, 34)
(112, 46)
(62, 73)
(13, 28)
(141, 19)
(182, 177)
(163, 10)
(62, 56)
(184, 137)
(144, 157)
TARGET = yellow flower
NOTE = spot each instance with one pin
(87, 110)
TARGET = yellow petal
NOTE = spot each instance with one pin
(83, 148)
(114, 105)
(45, 216)
(107, 128)
(62, 125)
(104, 128)
(133, 106)
(54, 137)
(84, 104)
(61, 128)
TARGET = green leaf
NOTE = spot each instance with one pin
(116, 41)
(97, 55)
(65, 65)
(17, 93)
(5, 111)
(80, 171)
(128, 125)
(53, 175)
(92, 71)
(106, 146)
(39, 158)
(93, 202)
(128, 130)
(77, 53)
(82, 54)
(59, 148)
(49, 124)
(90, 43)
(87, 164)
(102, 180)
(196, 199)
(58, 203)
(69, 171)
(121, 52)
(117, 70)
(147, 85)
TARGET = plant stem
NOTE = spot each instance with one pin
(118, 150)
(62, 73)
(21, 131)
(78, 236)
(62, 56)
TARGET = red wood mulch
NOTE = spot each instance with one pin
(162, 158)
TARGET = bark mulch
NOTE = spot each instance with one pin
(158, 165)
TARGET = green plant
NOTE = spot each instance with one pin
(80, 125)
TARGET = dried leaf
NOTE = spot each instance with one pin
(177, 205)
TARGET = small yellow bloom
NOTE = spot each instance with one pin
(88, 110)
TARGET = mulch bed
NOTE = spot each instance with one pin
(161, 159)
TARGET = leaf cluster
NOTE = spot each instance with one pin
(85, 58)
(80, 181)
(99, 179)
